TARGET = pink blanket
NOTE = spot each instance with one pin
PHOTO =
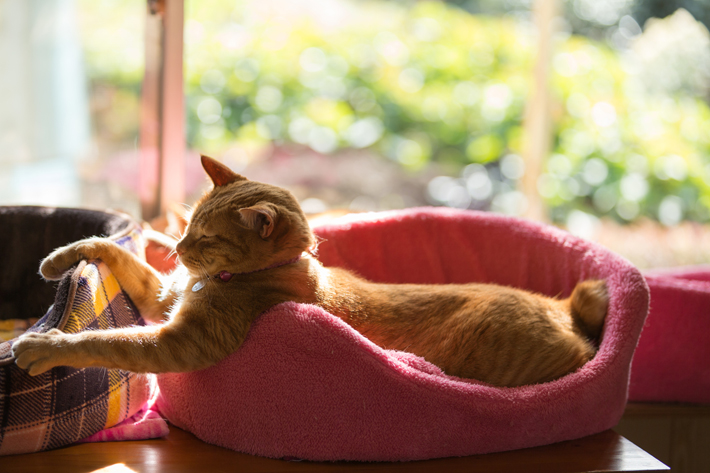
(672, 361)
(145, 424)
(306, 385)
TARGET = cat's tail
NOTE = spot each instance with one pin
(589, 303)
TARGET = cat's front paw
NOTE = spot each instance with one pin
(60, 260)
(39, 352)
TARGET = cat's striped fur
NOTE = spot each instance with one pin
(499, 335)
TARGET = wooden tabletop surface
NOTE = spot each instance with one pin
(180, 451)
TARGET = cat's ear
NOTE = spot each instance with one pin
(261, 218)
(220, 174)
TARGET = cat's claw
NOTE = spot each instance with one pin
(38, 352)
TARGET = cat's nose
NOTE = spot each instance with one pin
(179, 249)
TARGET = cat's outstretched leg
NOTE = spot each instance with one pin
(142, 283)
(151, 349)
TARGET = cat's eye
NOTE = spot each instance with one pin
(207, 233)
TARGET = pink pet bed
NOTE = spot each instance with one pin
(306, 385)
(672, 361)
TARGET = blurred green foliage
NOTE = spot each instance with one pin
(429, 82)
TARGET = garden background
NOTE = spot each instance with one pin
(374, 105)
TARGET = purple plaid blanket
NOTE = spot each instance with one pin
(66, 405)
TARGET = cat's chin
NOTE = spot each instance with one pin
(196, 273)
(191, 269)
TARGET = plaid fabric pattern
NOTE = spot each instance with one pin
(65, 404)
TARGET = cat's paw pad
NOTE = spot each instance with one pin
(38, 352)
(52, 268)
(60, 260)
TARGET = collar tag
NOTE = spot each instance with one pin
(225, 276)
(199, 285)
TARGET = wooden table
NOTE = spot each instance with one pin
(180, 451)
(676, 434)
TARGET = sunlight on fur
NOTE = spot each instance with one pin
(248, 246)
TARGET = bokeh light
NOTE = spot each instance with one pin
(431, 97)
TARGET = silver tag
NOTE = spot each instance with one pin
(198, 285)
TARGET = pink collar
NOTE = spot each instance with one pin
(226, 275)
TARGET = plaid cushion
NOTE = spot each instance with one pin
(65, 404)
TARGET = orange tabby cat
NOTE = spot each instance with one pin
(244, 251)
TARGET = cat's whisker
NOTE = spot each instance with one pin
(313, 250)
(209, 280)
(205, 274)
(172, 253)
(189, 212)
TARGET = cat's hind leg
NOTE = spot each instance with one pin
(589, 303)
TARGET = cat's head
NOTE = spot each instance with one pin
(242, 225)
